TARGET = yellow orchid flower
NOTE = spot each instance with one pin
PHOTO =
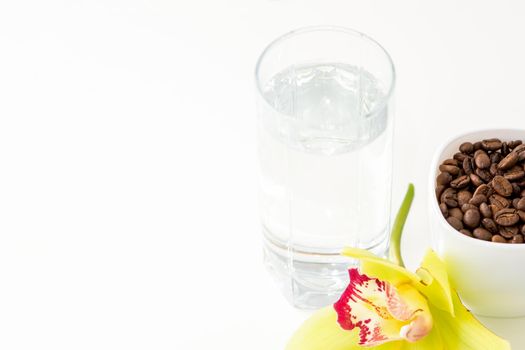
(387, 307)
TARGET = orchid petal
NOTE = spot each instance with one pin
(382, 312)
(438, 291)
(380, 268)
(464, 331)
(321, 332)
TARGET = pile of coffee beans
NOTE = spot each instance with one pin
(481, 190)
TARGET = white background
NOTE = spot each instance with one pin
(128, 215)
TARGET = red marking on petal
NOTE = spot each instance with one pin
(380, 312)
(359, 290)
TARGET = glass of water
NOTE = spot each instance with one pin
(325, 124)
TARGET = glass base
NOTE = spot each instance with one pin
(310, 280)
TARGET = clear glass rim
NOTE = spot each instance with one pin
(328, 28)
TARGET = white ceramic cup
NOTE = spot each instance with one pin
(488, 276)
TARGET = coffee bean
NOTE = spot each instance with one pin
(506, 217)
(439, 192)
(502, 186)
(491, 144)
(477, 145)
(509, 161)
(517, 239)
(499, 201)
(466, 147)
(463, 197)
(443, 179)
(485, 210)
(494, 209)
(476, 180)
(466, 232)
(481, 233)
(484, 190)
(468, 206)
(481, 159)
(521, 214)
(467, 166)
(444, 209)
(460, 156)
(450, 198)
(451, 169)
(478, 199)
(520, 182)
(493, 170)
(450, 162)
(495, 157)
(472, 218)
(460, 182)
(515, 202)
(508, 232)
(515, 143)
(504, 149)
(456, 212)
(521, 204)
(522, 230)
(516, 189)
(522, 194)
(498, 239)
(483, 174)
(490, 225)
(455, 222)
(520, 150)
(514, 174)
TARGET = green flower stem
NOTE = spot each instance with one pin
(394, 253)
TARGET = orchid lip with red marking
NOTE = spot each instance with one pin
(377, 309)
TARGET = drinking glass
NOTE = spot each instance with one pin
(325, 122)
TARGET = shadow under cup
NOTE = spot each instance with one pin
(325, 126)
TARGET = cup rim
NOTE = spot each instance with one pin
(435, 206)
(329, 28)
